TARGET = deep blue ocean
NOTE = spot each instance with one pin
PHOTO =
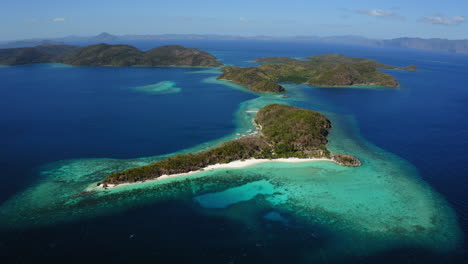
(51, 113)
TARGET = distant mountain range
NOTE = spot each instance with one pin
(434, 44)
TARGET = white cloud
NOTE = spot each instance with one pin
(458, 19)
(442, 20)
(58, 19)
(243, 19)
(378, 13)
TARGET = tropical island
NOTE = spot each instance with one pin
(283, 132)
(108, 55)
(328, 70)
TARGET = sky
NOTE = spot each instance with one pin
(24, 19)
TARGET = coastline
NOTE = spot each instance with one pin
(329, 196)
(238, 164)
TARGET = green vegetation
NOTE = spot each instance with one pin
(39, 54)
(346, 160)
(109, 55)
(105, 55)
(409, 68)
(254, 78)
(335, 59)
(286, 131)
(323, 70)
(275, 60)
(362, 73)
(179, 56)
(125, 55)
(292, 130)
(243, 148)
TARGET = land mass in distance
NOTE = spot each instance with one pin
(108, 55)
(328, 70)
(432, 44)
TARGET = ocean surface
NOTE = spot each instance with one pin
(63, 128)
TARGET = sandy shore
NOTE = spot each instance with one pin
(231, 165)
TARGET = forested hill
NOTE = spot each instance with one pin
(284, 132)
(108, 55)
(326, 70)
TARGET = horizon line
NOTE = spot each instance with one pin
(223, 36)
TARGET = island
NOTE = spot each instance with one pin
(108, 55)
(283, 132)
(39, 54)
(328, 70)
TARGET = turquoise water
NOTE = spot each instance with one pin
(346, 213)
(382, 203)
(235, 195)
(164, 87)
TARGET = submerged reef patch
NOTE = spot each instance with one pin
(164, 87)
(235, 195)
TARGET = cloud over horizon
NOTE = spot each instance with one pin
(442, 20)
(378, 13)
(58, 19)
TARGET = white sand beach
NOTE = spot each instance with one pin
(231, 165)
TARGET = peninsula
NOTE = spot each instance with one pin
(283, 132)
(108, 55)
(328, 70)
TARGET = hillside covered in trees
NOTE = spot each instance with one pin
(108, 55)
(285, 132)
(326, 70)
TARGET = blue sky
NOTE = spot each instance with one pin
(20, 19)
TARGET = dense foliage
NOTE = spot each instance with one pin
(275, 60)
(362, 73)
(286, 131)
(39, 54)
(125, 55)
(109, 55)
(254, 78)
(346, 160)
(243, 148)
(291, 129)
(175, 55)
(323, 70)
(105, 55)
